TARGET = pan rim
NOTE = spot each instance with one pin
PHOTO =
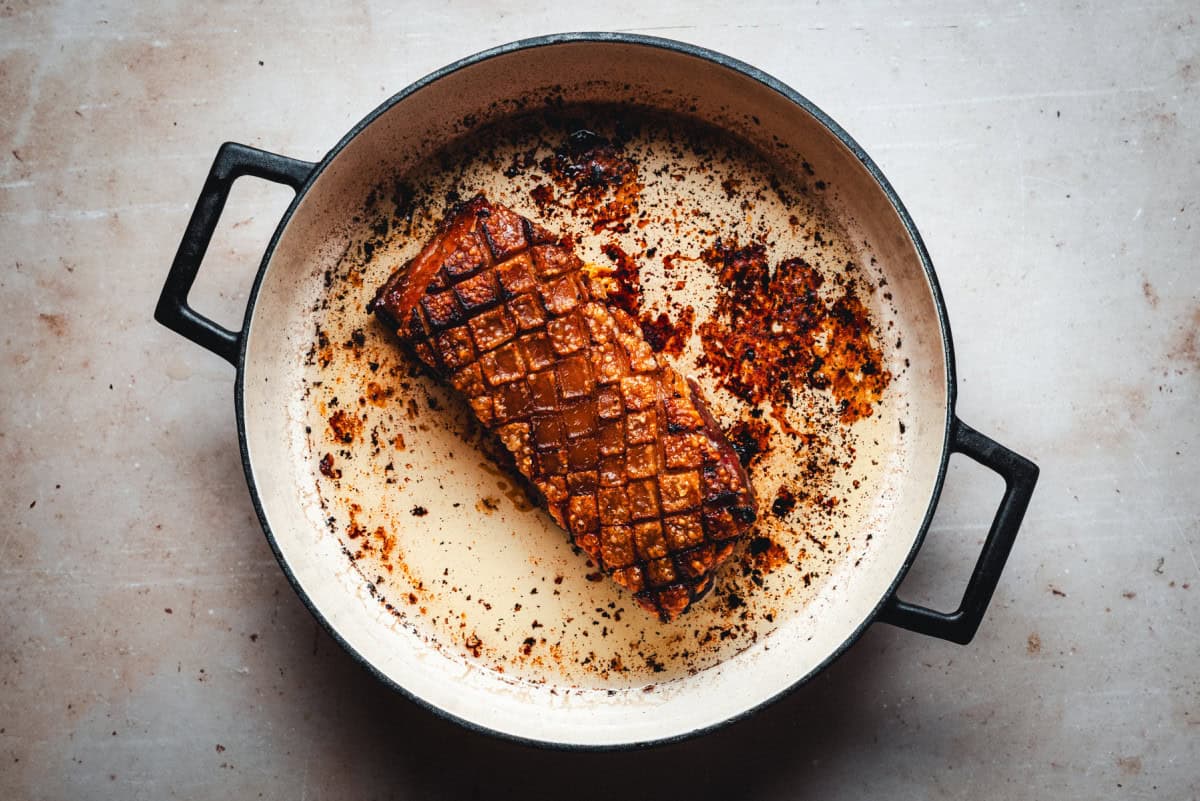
(687, 50)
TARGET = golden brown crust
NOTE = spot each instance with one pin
(624, 451)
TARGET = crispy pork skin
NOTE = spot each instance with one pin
(623, 450)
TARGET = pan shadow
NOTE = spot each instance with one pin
(372, 738)
(363, 739)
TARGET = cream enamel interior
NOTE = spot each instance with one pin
(316, 236)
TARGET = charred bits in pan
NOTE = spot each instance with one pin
(774, 331)
(598, 177)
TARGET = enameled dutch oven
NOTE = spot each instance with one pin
(605, 68)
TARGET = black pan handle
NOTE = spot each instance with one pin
(232, 162)
(1020, 475)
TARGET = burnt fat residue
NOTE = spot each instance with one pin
(597, 176)
(784, 503)
(777, 330)
(750, 439)
(327, 468)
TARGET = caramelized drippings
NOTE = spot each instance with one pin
(776, 331)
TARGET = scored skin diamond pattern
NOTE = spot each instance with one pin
(626, 455)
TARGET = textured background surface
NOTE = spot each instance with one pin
(150, 646)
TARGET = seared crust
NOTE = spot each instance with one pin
(623, 450)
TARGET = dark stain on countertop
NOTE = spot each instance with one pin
(56, 323)
(1184, 353)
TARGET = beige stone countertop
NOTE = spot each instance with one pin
(150, 646)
